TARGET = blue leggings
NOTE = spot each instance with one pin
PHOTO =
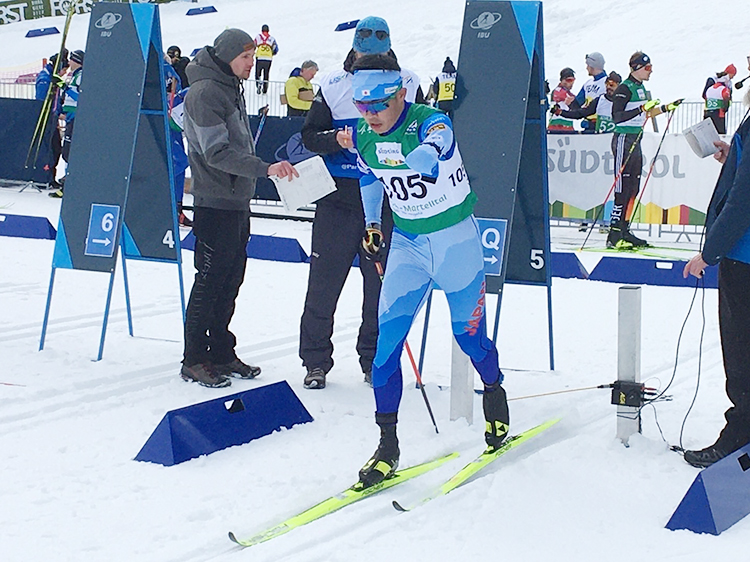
(453, 261)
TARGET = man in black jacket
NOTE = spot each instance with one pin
(339, 223)
(224, 168)
(728, 244)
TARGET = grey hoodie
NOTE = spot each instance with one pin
(220, 147)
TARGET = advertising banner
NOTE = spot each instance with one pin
(581, 173)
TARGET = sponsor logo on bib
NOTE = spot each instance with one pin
(389, 153)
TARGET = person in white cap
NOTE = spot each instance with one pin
(593, 87)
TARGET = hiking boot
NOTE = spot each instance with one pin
(315, 378)
(384, 462)
(237, 369)
(368, 377)
(632, 238)
(705, 457)
(496, 415)
(205, 375)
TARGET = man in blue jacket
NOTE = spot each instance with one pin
(728, 244)
(42, 83)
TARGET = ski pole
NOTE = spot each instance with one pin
(379, 269)
(614, 183)
(653, 163)
(264, 111)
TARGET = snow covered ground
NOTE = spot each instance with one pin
(70, 426)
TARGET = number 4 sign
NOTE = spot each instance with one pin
(102, 231)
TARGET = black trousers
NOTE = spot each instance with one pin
(220, 260)
(263, 67)
(719, 122)
(734, 326)
(337, 232)
(627, 186)
(55, 142)
(67, 139)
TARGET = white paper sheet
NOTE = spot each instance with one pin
(313, 183)
(701, 138)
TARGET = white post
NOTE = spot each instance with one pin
(462, 384)
(628, 356)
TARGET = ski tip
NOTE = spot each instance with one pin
(398, 507)
(233, 538)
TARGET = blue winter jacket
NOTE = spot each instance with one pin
(728, 215)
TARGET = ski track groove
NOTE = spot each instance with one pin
(64, 325)
(100, 389)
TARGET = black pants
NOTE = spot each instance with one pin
(629, 182)
(67, 139)
(292, 112)
(336, 238)
(720, 122)
(220, 260)
(55, 142)
(263, 67)
(734, 325)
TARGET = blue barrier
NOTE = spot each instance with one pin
(567, 265)
(22, 226)
(637, 271)
(346, 25)
(718, 497)
(42, 31)
(199, 11)
(207, 427)
(261, 247)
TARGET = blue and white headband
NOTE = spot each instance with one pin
(375, 85)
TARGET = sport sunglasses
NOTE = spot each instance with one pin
(365, 33)
(374, 106)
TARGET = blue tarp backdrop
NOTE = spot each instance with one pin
(16, 129)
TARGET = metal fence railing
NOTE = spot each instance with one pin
(691, 112)
(272, 98)
(10, 88)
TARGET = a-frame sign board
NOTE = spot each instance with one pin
(499, 116)
(119, 187)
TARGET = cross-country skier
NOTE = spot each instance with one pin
(409, 151)
(630, 110)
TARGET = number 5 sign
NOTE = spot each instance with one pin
(102, 232)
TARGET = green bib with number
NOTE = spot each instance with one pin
(420, 204)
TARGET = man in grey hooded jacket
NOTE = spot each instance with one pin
(224, 171)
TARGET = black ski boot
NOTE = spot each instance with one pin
(632, 238)
(616, 237)
(384, 462)
(496, 415)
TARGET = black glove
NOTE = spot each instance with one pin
(373, 243)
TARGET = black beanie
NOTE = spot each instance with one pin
(232, 43)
